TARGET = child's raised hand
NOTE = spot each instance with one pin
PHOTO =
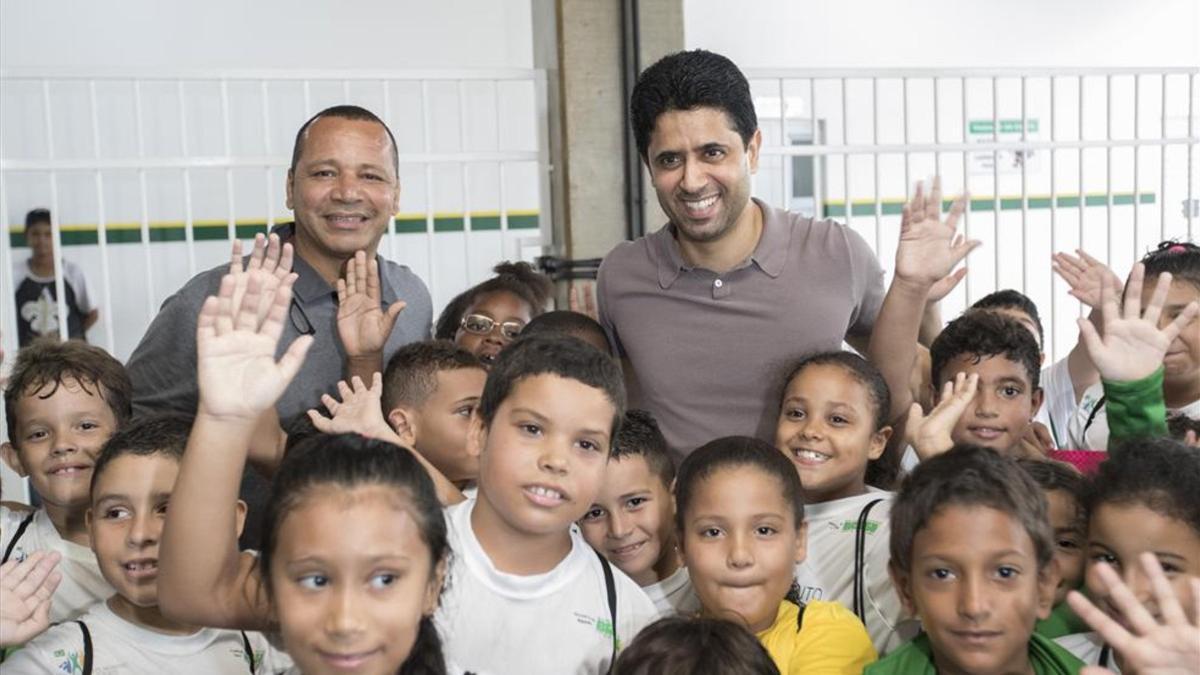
(582, 298)
(1133, 346)
(1169, 645)
(26, 589)
(1085, 275)
(929, 435)
(929, 247)
(237, 374)
(363, 326)
(359, 411)
(269, 263)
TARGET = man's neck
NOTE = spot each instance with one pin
(326, 267)
(732, 249)
(69, 522)
(148, 617)
(513, 551)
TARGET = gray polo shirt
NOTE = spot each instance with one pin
(163, 367)
(709, 350)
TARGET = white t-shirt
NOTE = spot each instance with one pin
(1058, 402)
(1094, 436)
(72, 276)
(827, 572)
(555, 623)
(675, 594)
(123, 648)
(1087, 648)
(82, 584)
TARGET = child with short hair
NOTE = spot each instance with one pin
(131, 485)
(1063, 487)
(1179, 262)
(833, 427)
(569, 322)
(485, 318)
(63, 401)
(972, 557)
(740, 518)
(679, 645)
(632, 521)
(430, 390)
(542, 433)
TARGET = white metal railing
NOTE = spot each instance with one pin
(824, 99)
(510, 89)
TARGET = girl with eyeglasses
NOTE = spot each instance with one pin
(485, 318)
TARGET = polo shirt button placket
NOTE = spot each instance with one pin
(720, 289)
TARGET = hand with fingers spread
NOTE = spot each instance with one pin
(1085, 275)
(26, 590)
(237, 374)
(363, 326)
(929, 435)
(269, 264)
(582, 299)
(1147, 645)
(359, 411)
(1133, 346)
(930, 247)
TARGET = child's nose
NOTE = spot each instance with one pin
(740, 552)
(342, 619)
(619, 524)
(972, 599)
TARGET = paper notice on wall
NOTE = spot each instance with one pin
(1004, 161)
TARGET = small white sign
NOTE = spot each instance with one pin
(1003, 161)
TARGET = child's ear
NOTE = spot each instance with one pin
(239, 512)
(879, 441)
(433, 589)
(476, 435)
(13, 458)
(1038, 397)
(404, 422)
(1048, 579)
(900, 581)
(802, 542)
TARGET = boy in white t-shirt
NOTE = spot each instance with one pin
(63, 401)
(131, 485)
(632, 521)
(525, 593)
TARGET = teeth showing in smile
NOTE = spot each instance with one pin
(141, 566)
(700, 205)
(810, 455)
(68, 470)
(545, 492)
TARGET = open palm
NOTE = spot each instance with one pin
(929, 247)
(363, 326)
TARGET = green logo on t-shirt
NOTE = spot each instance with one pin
(852, 525)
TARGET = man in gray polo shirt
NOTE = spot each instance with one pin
(343, 187)
(708, 311)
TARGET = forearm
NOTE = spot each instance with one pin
(202, 580)
(90, 319)
(267, 444)
(1135, 409)
(363, 367)
(931, 324)
(893, 347)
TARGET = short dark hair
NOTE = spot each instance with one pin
(680, 645)
(518, 278)
(411, 374)
(345, 112)
(984, 334)
(1013, 299)
(1161, 474)
(967, 476)
(37, 216)
(562, 355)
(49, 362)
(640, 437)
(686, 81)
(1051, 475)
(566, 322)
(162, 434)
(734, 452)
(1180, 258)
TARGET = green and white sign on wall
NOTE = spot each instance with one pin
(1004, 161)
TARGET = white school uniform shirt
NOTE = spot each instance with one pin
(1087, 647)
(120, 647)
(555, 623)
(827, 572)
(1058, 401)
(675, 594)
(82, 584)
(1094, 435)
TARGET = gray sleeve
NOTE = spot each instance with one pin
(603, 313)
(867, 279)
(163, 366)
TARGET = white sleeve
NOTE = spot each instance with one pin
(73, 274)
(1059, 401)
(54, 652)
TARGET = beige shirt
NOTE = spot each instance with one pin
(710, 349)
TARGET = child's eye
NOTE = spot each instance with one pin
(35, 435)
(382, 580)
(710, 532)
(1010, 392)
(1106, 558)
(765, 530)
(1007, 572)
(1169, 568)
(594, 514)
(941, 574)
(116, 513)
(590, 446)
(1068, 543)
(839, 420)
(795, 414)
(465, 411)
(635, 502)
(313, 581)
(531, 429)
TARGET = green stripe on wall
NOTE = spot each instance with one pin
(892, 207)
(83, 235)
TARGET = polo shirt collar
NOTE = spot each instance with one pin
(310, 286)
(770, 254)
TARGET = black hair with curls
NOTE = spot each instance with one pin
(518, 278)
